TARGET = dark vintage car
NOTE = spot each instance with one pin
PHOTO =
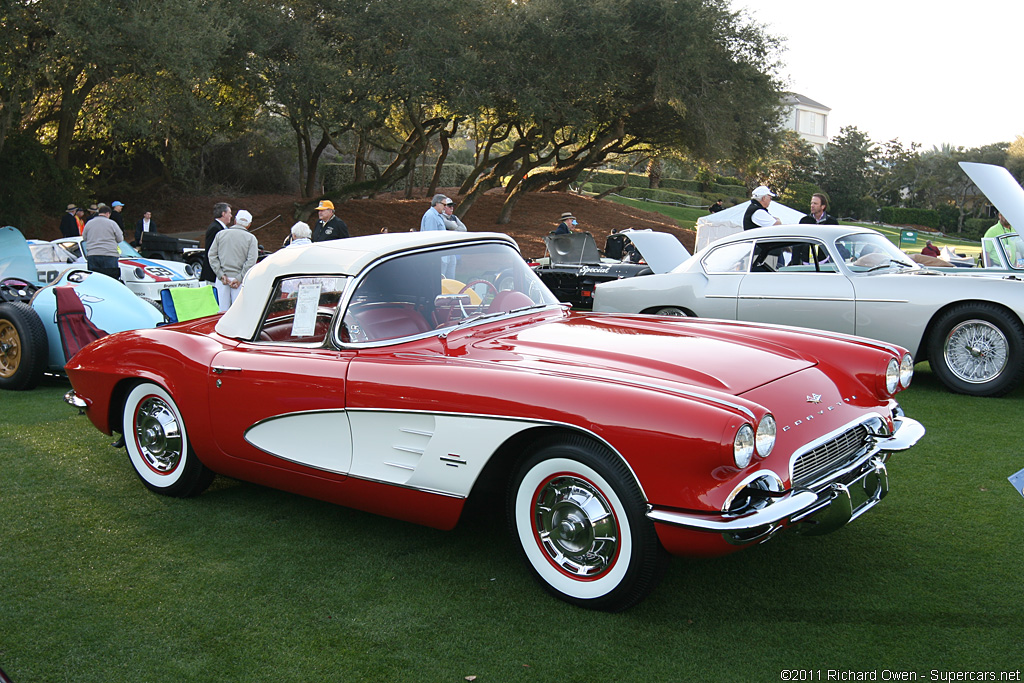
(345, 371)
(573, 266)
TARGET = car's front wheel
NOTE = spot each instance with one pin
(24, 350)
(158, 445)
(978, 349)
(579, 517)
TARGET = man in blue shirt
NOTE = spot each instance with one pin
(433, 219)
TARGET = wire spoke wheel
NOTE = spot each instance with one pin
(976, 351)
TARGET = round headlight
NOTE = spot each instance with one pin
(188, 270)
(743, 446)
(139, 273)
(892, 376)
(906, 371)
(765, 439)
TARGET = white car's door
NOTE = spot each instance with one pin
(796, 283)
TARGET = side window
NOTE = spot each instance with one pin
(790, 256)
(301, 310)
(730, 258)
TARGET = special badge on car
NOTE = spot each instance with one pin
(814, 398)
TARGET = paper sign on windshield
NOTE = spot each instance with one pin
(304, 323)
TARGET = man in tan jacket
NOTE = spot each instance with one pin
(232, 254)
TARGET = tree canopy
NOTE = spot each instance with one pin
(117, 92)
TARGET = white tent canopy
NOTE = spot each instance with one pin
(718, 225)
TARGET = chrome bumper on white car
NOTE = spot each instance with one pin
(823, 507)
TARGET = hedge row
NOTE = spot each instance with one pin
(896, 215)
(613, 178)
(666, 196)
(337, 176)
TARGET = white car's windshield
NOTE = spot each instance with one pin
(871, 252)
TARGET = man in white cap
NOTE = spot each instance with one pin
(329, 227)
(757, 215)
(233, 252)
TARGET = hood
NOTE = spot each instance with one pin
(572, 248)
(15, 256)
(660, 250)
(159, 271)
(728, 359)
(1002, 190)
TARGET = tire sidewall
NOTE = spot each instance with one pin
(33, 346)
(624, 583)
(1011, 329)
(172, 481)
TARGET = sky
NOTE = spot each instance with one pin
(930, 73)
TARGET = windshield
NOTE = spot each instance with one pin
(864, 252)
(124, 249)
(431, 290)
(1010, 254)
(47, 253)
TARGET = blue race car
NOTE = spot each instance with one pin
(31, 342)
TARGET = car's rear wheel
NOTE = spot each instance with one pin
(978, 349)
(579, 517)
(670, 310)
(24, 351)
(158, 445)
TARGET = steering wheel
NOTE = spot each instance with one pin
(490, 286)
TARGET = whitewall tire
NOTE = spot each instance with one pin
(578, 517)
(158, 446)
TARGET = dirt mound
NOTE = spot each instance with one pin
(536, 215)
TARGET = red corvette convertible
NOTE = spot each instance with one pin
(352, 371)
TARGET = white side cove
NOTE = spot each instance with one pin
(425, 451)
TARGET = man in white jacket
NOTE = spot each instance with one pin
(233, 253)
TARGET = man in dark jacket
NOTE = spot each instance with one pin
(818, 215)
(757, 214)
(144, 225)
(329, 227)
(221, 220)
(68, 224)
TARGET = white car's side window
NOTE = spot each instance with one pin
(729, 258)
(301, 310)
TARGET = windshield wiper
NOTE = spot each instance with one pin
(485, 316)
(891, 261)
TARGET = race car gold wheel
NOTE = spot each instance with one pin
(23, 347)
(978, 349)
(158, 446)
(579, 518)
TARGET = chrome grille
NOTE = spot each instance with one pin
(830, 456)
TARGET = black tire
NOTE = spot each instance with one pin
(24, 350)
(674, 311)
(977, 349)
(579, 519)
(158, 446)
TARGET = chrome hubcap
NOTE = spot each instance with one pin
(576, 526)
(158, 435)
(976, 351)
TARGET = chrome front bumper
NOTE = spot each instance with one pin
(72, 399)
(829, 505)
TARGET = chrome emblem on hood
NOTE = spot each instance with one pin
(814, 398)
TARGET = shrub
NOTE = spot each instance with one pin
(898, 215)
(337, 176)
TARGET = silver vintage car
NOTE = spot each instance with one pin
(851, 280)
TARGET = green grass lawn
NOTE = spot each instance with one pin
(103, 581)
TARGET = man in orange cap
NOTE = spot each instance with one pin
(329, 227)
